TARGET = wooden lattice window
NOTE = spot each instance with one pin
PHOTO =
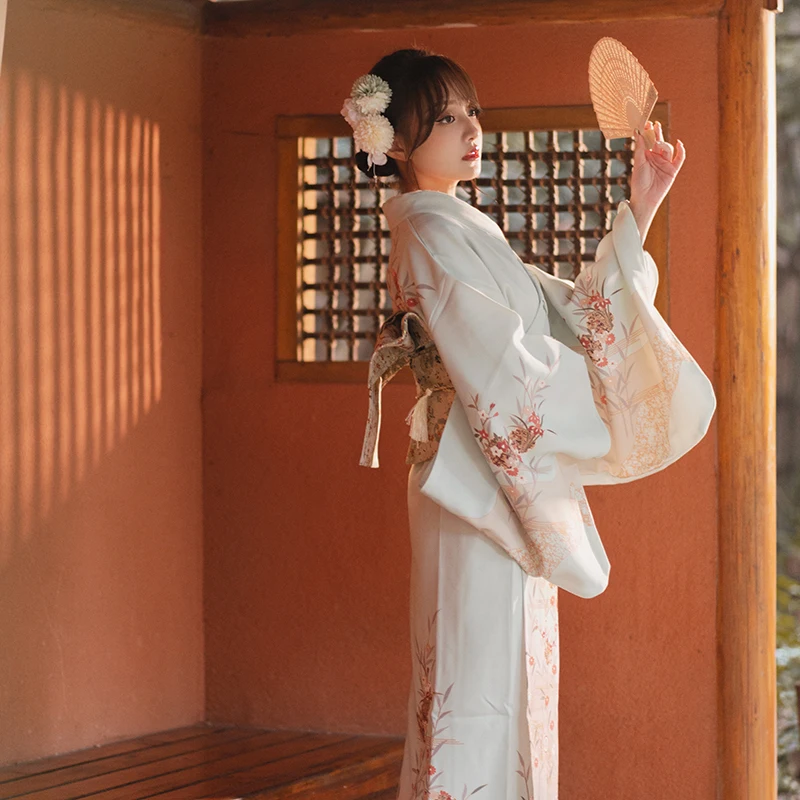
(549, 179)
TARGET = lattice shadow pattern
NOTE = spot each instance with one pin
(552, 192)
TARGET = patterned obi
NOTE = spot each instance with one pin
(404, 340)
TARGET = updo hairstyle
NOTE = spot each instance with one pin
(421, 84)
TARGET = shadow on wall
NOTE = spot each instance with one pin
(80, 327)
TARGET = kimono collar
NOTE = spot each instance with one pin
(428, 201)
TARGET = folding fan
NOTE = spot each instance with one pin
(622, 93)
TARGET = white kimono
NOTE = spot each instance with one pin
(557, 386)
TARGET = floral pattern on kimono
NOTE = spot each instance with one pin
(551, 413)
(634, 360)
(505, 446)
(507, 393)
(543, 672)
(431, 711)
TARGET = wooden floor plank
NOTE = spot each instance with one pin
(108, 784)
(206, 762)
(14, 771)
(269, 746)
(386, 794)
(114, 764)
(280, 774)
(293, 752)
(354, 782)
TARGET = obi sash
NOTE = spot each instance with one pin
(403, 340)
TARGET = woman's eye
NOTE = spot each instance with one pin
(474, 111)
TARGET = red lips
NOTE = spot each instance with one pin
(472, 155)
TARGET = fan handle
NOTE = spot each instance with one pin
(649, 137)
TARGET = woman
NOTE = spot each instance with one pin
(529, 388)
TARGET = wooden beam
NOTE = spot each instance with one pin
(285, 17)
(745, 383)
(186, 14)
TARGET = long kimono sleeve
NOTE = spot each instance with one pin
(651, 394)
(507, 461)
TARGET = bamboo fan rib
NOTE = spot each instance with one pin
(622, 93)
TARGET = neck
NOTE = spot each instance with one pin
(426, 183)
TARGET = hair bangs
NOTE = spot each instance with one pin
(456, 84)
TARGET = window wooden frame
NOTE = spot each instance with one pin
(290, 129)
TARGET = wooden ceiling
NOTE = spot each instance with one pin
(284, 17)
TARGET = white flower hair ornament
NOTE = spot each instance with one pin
(363, 110)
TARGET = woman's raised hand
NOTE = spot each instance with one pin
(654, 172)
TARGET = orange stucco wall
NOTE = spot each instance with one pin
(307, 554)
(100, 373)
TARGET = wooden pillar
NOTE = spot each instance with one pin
(745, 383)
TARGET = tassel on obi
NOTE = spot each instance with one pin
(417, 418)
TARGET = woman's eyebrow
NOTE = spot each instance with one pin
(458, 104)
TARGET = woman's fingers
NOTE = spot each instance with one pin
(680, 155)
(664, 149)
(658, 130)
(664, 152)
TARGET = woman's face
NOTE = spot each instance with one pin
(452, 152)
